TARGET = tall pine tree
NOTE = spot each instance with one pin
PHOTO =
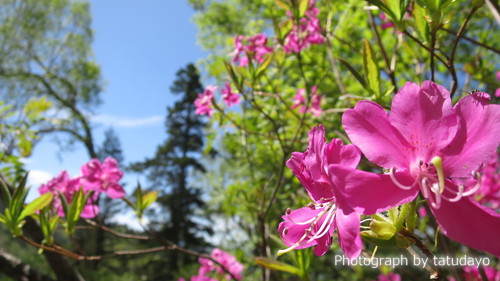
(168, 173)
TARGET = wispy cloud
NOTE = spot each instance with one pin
(127, 122)
(38, 177)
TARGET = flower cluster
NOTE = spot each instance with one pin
(424, 144)
(204, 102)
(471, 273)
(255, 48)
(391, 276)
(208, 267)
(300, 100)
(96, 176)
(306, 33)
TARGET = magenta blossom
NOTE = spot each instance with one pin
(229, 97)
(307, 33)
(103, 177)
(204, 101)
(331, 208)
(437, 149)
(256, 49)
(202, 278)
(391, 276)
(227, 260)
(471, 273)
(300, 100)
(62, 184)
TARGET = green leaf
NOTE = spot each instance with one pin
(276, 265)
(18, 197)
(383, 230)
(420, 23)
(356, 74)
(263, 67)
(149, 198)
(372, 71)
(389, 13)
(36, 205)
(5, 192)
(395, 7)
(303, 5)
(284, 5)
(285, 28)
(75, 209)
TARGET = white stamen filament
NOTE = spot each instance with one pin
(324, 228)
(400, 185)
(475, 188)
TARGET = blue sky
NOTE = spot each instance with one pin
(139, 47)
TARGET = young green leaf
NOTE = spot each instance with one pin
(149, 198)
(36, 205)
(372, 71)
(356, 74)
(303, 5)
(276, 265)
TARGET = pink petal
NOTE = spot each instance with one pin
(295, 231)
(477, 138)
(347, 221)
(370, 193)
(469, 223)
(368, 127)
(90, 211)
(424, 116)
(338, 153)
(115, 191)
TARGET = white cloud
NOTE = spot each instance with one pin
(127, 122)
(130, 219)
(38, 177)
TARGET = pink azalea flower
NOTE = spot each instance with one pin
(256, 49)
(103, 177)
(471, 273)
(202, 278)
(62, 184)
(204, 101)
(229, 97)
(314, 225)
(385, 22)
(391, 276)
(229, 262)
(437, 150)
(307, 33)
(225, 259)
(300, 100)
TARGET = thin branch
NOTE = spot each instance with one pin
(473, 41)
(451, 59)
(388, 69)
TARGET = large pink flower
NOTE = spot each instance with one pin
(314, 225)
(103, 177)
(64, 185)
(437, 149)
